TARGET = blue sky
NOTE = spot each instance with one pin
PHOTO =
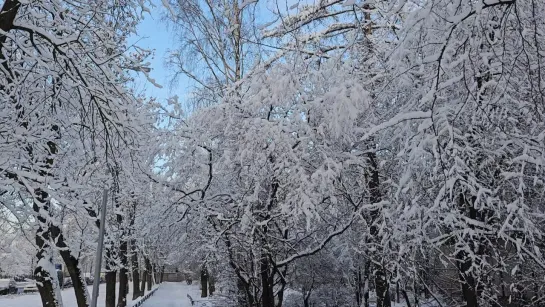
(153, 34)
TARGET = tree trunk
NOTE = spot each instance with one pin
(306, 301)
(110, 288)
(397, 293)
(280, 293)
(204, 281)
(212, 285)
(162, 274)
(72, 264)
(467, 280)
(135, 272)
(366, 277)
(382, 287)
(244, 295)
(45, 281)
(267, 294)
(406, 297)
(123, 275)
(358, 286)
(149, 274)
(8, 13)
(155, 279)
(144, 279)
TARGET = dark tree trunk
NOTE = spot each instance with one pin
(244, 295)
(397, 293)
(134, 257)
(110, 288)
(204, 281)
(267, 294)
(155, 279)
(162, 274)
(467, 280)
(110, 275)
(72, 264)
(306, 297)
(280, 293)
(44, 284)
(406, 297)
(211, 285)
(144, 279)
(358, 286)
(366, 277)
(44, 280)
(8, 13)
(123, 275)
(267, 272)
(382, 286)
(149, 274)
(306, 301)
(135, 272)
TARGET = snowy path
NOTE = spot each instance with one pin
(68, 298)
(173, 294)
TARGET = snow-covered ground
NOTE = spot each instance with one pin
(68, 298)
(174, 294)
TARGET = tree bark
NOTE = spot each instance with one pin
(162, 274)
(358, 286)
(72, 264)
(110, 279)
(467, 280)
(123, 275)
(8, 13)
(397, 293)
(135, 272)
(110, 288)
(44, 281)
(366, 276)
(267, 272)
(406, 297)
(306, 300)
(204, 281)
(212, 285)
(267, 294)
(149, 273)
(382, 287)
(144, 279)
(244, 295)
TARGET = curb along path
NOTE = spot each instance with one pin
(142, 299)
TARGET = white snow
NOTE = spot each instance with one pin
(68, 298)
(174, 294)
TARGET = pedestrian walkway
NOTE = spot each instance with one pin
(174, 294)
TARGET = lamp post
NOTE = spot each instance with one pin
(98, 259)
